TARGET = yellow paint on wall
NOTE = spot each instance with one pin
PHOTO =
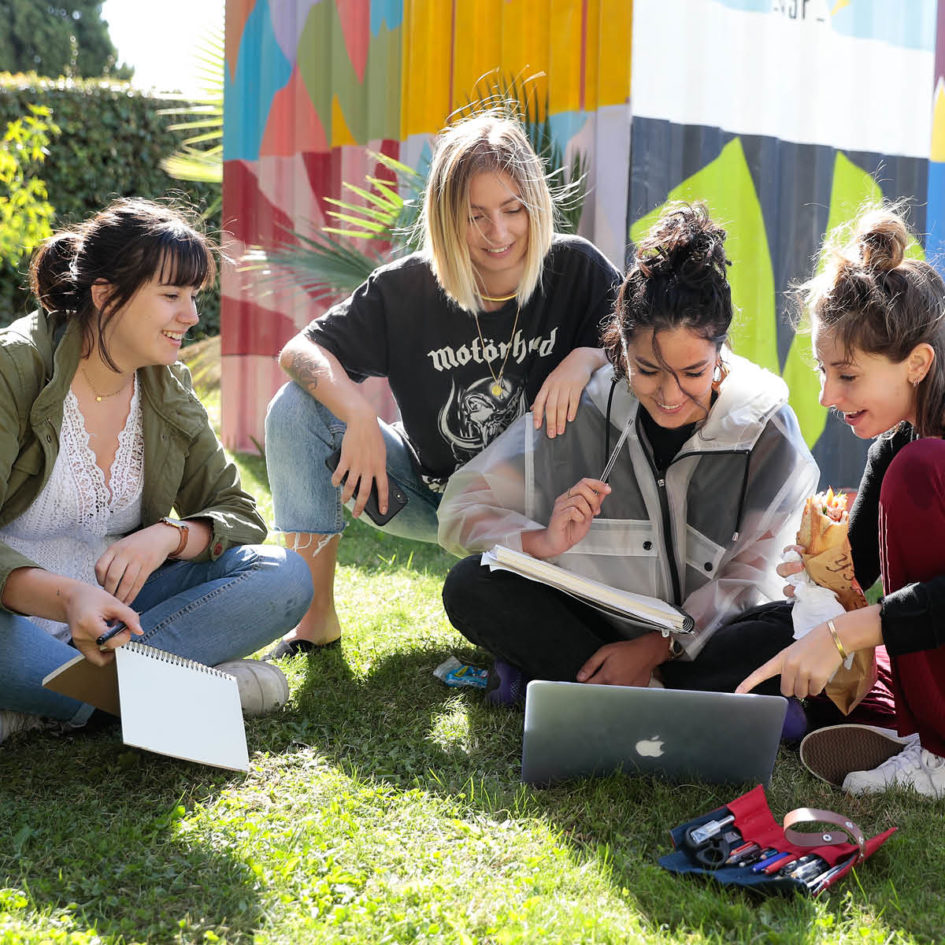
(444, 59)
(938, 123)
(425, 66)
(340, 132)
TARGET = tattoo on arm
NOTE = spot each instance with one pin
(306, 371)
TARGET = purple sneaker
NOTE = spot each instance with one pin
(795, 722)
(506, 686)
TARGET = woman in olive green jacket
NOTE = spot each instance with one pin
(101, 437)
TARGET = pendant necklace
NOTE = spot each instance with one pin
(496, 388)
(100, 397)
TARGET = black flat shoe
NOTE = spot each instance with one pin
(286, 648)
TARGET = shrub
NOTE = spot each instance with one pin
(111, 144)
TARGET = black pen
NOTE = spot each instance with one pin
(112, 631)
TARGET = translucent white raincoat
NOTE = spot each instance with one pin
(707, 537)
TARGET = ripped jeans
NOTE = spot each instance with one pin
(301, 434)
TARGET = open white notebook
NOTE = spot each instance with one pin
(167, 704)
(637, 609)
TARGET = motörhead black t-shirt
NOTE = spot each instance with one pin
(400, 325)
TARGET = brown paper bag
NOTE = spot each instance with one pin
(833, 569)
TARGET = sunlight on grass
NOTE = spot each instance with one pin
(383, 807)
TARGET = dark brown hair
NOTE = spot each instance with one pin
(677, 280)
(125, 245)
(871, 297)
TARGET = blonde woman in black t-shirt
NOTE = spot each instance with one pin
(496, 315)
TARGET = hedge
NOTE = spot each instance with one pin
(111, 145)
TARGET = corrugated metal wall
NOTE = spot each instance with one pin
(783, 115)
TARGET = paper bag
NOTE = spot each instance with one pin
(856, 676)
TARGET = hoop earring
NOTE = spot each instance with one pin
(718, 375)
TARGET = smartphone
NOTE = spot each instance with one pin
(396, 497)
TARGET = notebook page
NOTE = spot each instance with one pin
(176, 707)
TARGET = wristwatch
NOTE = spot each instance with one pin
(675, 649)
(182, 529)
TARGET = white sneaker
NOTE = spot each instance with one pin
(11, 723)
(263, 687)
(915, 767)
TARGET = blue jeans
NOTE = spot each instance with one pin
(210, 611)
(301, 434)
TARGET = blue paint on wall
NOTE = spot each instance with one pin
(261, 70)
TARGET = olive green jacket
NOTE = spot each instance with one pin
(185, 467)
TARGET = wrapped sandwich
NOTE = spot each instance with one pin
(829, 563)
(827, 558)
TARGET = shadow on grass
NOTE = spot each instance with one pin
(399, 726)
(98, 847)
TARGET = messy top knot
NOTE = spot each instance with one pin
(873, 298)
(881, 238)
(129, 243)
(678, 280)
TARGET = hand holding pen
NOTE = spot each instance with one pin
(92, 613)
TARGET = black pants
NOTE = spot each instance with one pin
(550, 635)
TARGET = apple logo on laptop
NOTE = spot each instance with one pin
(650, 747)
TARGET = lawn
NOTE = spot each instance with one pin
(383, 807)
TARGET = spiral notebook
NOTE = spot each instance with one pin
(167, 704)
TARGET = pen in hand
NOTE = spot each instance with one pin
(111, 632)
(611, 462)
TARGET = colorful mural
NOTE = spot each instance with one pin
(313, 85)
(783, 115)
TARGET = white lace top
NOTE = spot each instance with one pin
(77, 515)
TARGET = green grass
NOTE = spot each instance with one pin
(383, 807)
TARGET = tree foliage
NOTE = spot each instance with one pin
(25, 211)
(57, 38)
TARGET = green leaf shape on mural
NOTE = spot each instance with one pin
(726, 187)
(370, 107)
(852, 188)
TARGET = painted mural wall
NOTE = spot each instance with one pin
(313, 85)
(783, 115)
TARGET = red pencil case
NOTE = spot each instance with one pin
(749, 821)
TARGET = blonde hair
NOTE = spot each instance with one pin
(871, 297)
(486, 142)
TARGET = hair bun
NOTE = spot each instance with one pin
(685, 244)
(882, 238)
(52, 272)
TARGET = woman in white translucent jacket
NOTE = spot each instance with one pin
(705, 491)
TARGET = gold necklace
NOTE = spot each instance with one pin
(496, 387)
(100, 397)
(498, 298)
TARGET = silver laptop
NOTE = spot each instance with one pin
(577, 729)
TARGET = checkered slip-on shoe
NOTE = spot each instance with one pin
(832, 753)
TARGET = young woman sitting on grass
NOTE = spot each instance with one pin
(496, 313)
(703, 495)
(101, 436)
(878, 333)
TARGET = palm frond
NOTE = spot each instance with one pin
(194, 160)
(324, 267)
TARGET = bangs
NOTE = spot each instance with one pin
(186, 260)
